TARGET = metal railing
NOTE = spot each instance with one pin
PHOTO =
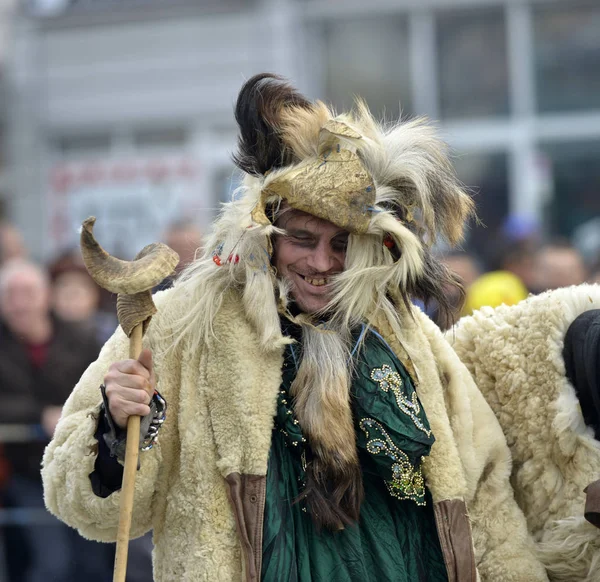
(20, 516)
(36, 516)
(21, 433)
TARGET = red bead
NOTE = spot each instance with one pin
(217, 260)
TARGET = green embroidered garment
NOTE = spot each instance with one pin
(395, 539)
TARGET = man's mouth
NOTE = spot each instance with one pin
(315, 281)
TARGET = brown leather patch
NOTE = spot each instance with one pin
(456, 540)
(592, 503)
(247, 495)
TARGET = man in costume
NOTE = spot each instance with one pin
(319, 427)
(538, 365)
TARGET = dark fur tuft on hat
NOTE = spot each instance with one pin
(257, 112)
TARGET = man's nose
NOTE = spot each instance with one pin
(321, 259)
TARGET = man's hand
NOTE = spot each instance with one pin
(130, 385)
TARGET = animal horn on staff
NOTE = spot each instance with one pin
(133, 281)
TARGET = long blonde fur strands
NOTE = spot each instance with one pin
(321, 392)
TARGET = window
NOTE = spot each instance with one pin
(83, 144)
(472, 61)
(486, 177)
(576, 184)
(160, 138)
(567, 56)
(368, 58)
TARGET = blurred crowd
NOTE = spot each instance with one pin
(53, 321)
(517, 263)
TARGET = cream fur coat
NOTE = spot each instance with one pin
(515, 356)
(221, 400)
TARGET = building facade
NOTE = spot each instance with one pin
(123, 108)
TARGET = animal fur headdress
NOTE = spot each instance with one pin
(392, 188)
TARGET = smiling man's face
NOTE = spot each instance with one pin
(310, 252)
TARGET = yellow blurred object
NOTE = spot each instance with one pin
(493, 289)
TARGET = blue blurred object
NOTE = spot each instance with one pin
(519, 227)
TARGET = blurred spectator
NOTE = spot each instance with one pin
(595, 272)
(41, 359)
(558, 264)
(519, 258)
(185, 238)
(494, 289)
(464, 265)
(586, 238)
(76, 297)
(11, 243)
(520, 228)
(466, 268)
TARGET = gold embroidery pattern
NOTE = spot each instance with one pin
(407, 481)
(390, 380)
(296, 439)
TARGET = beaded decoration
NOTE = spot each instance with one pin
(388, 380)
(407, 480)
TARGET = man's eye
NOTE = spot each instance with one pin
(340, 246)
(300, 241)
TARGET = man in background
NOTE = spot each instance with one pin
(11, 243)
(41, 358)
(467, 268)
(185, 238)
(559, 264)
(77, 298)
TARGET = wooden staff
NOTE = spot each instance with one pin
(133, 281)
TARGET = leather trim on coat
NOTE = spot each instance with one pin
(456, 540)
(247, 494)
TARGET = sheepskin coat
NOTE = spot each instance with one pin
(222, 399)
(515, 356)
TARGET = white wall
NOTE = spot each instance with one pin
(140, 72)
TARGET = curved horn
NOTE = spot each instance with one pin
(151, 265)
(133, 310)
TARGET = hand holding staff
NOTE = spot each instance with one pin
(133, 281)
